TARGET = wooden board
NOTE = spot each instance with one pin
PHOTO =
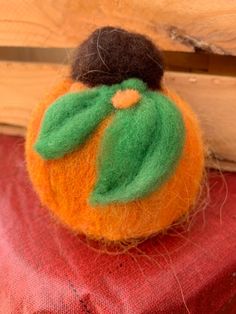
(179, 25)
(218, 164)
(213, 98)
(22, 85)
(12, 130)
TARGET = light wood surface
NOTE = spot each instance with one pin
(22, 85)
(179, 25)
(12, 130)
(221, 164)
(213, 98)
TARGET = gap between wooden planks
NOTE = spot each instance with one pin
(213, 98)
(177, 25)
(173, 60)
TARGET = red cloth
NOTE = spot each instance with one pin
(46, 269)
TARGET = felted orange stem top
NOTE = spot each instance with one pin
(64, 184)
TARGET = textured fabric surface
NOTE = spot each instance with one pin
(65, 184)
(45, 269)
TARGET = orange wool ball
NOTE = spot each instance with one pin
(64, 184)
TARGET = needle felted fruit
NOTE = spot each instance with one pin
(111, 152)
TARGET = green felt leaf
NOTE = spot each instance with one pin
(140, 150)
(71, 119)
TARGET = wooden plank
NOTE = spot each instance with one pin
(179, 25)
(12, 130)
(213, 98)
(221, 164)
(22, 85)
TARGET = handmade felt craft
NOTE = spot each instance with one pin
(112, 152)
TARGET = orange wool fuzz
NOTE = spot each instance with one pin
(64, 184)
(125, 98)
(76, 87)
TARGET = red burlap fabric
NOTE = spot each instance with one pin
(45, 269)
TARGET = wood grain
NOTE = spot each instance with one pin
(177, 25)
(221, 164)
(213, 98)
(22, 85)
(12, 130)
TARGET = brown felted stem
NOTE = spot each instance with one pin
(111, 55)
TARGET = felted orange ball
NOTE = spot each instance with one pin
(126, 203)
(110, 152)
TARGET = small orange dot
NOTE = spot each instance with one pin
(125, 98)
